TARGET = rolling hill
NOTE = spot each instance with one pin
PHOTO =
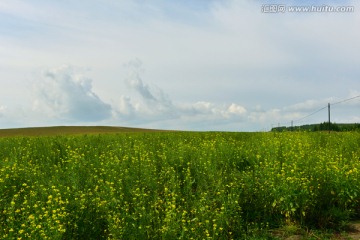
(68, 130)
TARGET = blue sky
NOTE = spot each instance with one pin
(189, 65)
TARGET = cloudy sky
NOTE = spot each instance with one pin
(227, 65)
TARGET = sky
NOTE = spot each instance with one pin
(220, 65)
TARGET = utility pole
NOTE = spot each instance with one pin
(292, 125)
(329, 116)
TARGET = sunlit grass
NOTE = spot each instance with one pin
(174, 185)
(69, 130)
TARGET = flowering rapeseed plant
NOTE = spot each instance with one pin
(176, 185)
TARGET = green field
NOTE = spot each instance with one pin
(69, 130)
(177, 185)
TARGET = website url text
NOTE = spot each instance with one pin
(281, 8)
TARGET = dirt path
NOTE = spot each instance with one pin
(351, 233)
(354, 231)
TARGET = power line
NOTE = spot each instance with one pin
(345, 100)
(300, 119)
(320, 109)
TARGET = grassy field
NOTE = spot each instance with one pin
(68, 130)
(177, 185)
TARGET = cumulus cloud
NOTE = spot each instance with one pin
(309, 112)
(151, 104)
(69, 97)
(311, 105)
(66, 95)
(235, 109)
(214, 111)
(125, 107)
(134, 81)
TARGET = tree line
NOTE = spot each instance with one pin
(324, 126)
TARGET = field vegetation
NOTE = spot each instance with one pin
(69, 130)
(324, 126)
(177, 185)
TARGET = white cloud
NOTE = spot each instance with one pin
(66, 95)
(213, 111)
(309, 112)
(215, 61)
(125, 107)
(152, 104)
(236, 109)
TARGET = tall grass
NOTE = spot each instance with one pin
(176, 185)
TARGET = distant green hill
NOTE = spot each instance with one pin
(338, 127)
(68, 130)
